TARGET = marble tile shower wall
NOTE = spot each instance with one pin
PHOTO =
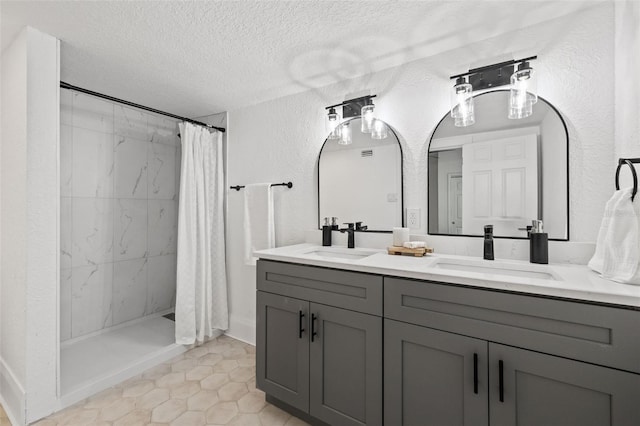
(119, 176)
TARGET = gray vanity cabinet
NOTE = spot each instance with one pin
(541, 389)
(433, 377)
(538, 366)
(440, 378)
(313, 352)
(453, 355)
(346, 367)
(282, 362)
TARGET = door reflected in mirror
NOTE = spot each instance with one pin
(499, 171)
(361, 181)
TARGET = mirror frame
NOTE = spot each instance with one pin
(566, 132)
(392, 131)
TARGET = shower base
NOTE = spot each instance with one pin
(96, 363)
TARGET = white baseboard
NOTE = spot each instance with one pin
(12, 395)
(242, 329)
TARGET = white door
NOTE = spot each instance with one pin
(500, 181)
(454, 216)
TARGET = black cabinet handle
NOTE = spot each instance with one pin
(475, 373)
(300, 326)
(501, 379)
(313, 326)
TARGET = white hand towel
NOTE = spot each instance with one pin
(618, 245)
(415, 244)
(259, 226)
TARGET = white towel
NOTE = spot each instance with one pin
(618, 245)
(414, 244)
(259, 226)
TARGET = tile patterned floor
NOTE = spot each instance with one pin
(4, 420)
(213, 384)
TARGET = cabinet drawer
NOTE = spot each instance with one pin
(597, 334)
(344, 289)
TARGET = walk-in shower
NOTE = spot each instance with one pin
(119, 177)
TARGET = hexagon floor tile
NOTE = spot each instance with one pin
(211, 384)
(4, 420)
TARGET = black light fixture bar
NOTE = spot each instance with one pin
(352, 101)
(352, 107)
(493, 67)
(64, 85)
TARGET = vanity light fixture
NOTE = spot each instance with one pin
(522, 94)
(367, 116)
(462, 103)
(333, 120)
(357, 107)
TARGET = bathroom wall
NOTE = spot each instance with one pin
(279, 140)
(119, 179)
(13, 301)
(29, 223)
(627, 86)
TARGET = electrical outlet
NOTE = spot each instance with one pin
(413, 218)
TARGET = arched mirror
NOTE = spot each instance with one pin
(499, 171)
(361, 181)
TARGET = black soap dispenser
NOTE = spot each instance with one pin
(488, 242)
(326, 232)
(538, 244)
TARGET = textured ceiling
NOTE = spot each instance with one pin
(197, 58)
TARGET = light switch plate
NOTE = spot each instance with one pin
(413, 218)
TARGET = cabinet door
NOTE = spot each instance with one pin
(433, 377)
(345, 367)
(282, 351)
(539, 389)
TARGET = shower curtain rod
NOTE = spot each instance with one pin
(121, 101)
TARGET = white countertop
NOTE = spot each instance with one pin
(569, 281)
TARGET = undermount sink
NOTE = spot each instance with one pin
(489, 267)
(340, 253)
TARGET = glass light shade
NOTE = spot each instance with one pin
(333, 119)
(332, 122)
(464, 121)
(517, 113)
(345, 134)
(379, 130)
(367, 117)
(523, 93)
(335, 135)
(462, 104)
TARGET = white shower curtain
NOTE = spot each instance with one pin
(201, 294)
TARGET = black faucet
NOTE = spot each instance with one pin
(488, 242)
(350, 230)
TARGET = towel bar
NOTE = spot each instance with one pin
(287, 184)
(629, 162)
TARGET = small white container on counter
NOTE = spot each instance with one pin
(400, 236)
